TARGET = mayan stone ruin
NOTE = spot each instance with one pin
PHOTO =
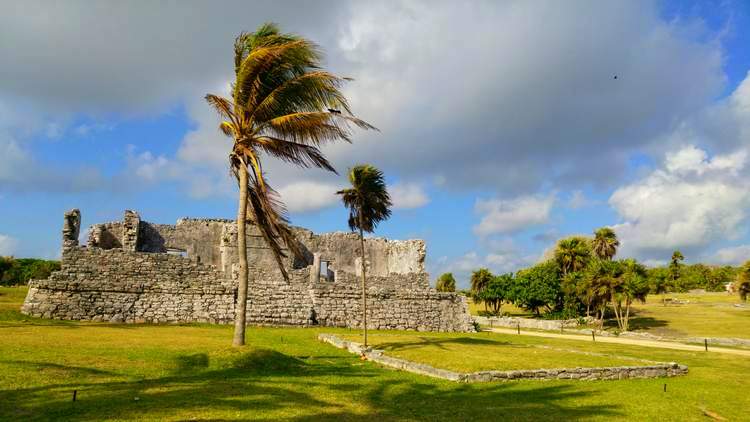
(134, 271)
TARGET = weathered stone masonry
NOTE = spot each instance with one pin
(134, 271)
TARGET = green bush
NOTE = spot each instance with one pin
(20, 271)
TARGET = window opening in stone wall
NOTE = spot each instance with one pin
(326, 272)
(175, 251)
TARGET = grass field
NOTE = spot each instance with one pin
(190, 373)
(690, 315)
(497, 351)
(704, 315)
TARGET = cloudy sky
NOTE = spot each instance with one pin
(503, 125)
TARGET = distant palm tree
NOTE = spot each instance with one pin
(605, 243)
(480, 279)
(674, 273)
(743, 281)
(572, 254)
(283, 105)
(369, 203)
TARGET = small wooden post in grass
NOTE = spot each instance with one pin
(705, 342)
(518, 326)
(593, 335)
(75, 392)
(665, 388)
(561, 327)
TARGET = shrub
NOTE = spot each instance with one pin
(446, 283)
(20, 271)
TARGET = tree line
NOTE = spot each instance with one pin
(15, 272)
(583, 279)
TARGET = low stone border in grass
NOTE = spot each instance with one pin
(536, 324)
(658, 370)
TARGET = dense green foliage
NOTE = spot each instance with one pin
(446, 283)
(19, 271)
(681, 278)
(538, 287)
(498, 289)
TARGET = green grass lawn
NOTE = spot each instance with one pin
(158, 372)
(705, 315)
(481, 352)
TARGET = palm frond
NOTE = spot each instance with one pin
(368, 199)
(295, 153)
(308, 92)
(313, 128)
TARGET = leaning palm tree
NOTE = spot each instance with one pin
(605, 243)
(282, 105)
(369, 203)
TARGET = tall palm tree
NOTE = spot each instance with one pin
(572, 254)
(605, 243)
(369, 203)
(285, 106)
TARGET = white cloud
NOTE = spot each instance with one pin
(308, 196)
(734, 255)
(512, 215)
(689, 203)
(579, 200)
(408, 196)
(8, 245)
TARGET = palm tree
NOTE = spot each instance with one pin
(605, 243)
(283, 105)
(572, 254)
(480, 279)
(369, 203)
(629, 286)
(743, 281)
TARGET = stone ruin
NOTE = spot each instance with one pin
(134, 271)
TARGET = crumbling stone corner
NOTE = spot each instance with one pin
(131, 226)
(71, 228)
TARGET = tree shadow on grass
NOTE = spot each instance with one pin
(640, 323)
(440, 343)
(268, 385)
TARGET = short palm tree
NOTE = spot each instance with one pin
(282, 105)
(572, 254)
(369, 203)
(605, 243)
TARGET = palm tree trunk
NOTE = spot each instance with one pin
(241, 305)
(364, 279)
(627, 315)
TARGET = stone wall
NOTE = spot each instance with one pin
(535, 324)
(137, 281)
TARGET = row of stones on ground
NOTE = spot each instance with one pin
(589, 374)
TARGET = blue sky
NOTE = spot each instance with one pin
(503, 128)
